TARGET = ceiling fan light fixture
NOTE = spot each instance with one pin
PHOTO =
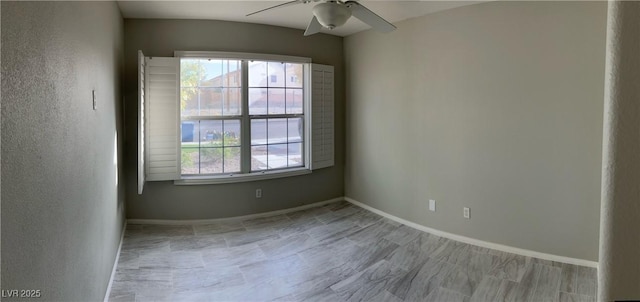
(331, 14)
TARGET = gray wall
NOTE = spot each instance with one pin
(619, 265)
(164, 200)
(497, 107)
(62, 208)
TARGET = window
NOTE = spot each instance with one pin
(210, 114)
(212, 117)
(213, 123)
(276, 111)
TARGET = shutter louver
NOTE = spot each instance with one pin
(322, 127)
(162, 119)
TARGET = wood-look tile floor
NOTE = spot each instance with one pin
(337, 252)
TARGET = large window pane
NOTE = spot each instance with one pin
(189, 104)
(295, 129)
(276, 74)
(277, 130)
(258, 131)
(231, 133)
(276, 101)
(232, 75)
(258, 158)
(190, 72)
(295, 75)
(190, 160)
(257, 101)
(231, 101)
(190, 155)
(212, 73)
(210, 160)
(210, 101)
(231, 159)
(211, 133)
(294, 101)
(277, 156)
(294, 155)
(257, 74)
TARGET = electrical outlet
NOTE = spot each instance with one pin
(258, 193)
(465, 212)
(432, 205)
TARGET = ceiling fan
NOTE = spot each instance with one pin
(333, 13)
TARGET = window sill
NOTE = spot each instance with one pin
(233, 178)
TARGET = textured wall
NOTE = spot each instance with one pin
(496, 107)
(62, 205)
(164, 200)
(619, 273)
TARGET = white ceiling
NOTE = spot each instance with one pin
(295, 16)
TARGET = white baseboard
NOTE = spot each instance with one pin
(486, 244)
(115, 263)
(251, 216)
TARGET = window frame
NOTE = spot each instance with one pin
(245, 120)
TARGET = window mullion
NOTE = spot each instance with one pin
(212, 118)
(245, 132)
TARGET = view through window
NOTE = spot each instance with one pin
(213, 121)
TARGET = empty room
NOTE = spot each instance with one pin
(320, 151)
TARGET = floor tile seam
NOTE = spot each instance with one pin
(469, 270)
(297, 233)
(329, 286)
(575, 280)
(209, 233)
(448, 274)
(337, 219)
(280, 257)
(559, 282)
(311, 235)
(353, 241)
(536, 278)
(390, 293)
(315, 245)
(411, 280)
(242, 274)
(366, 225)
(585, 278)
(304, 259)
(311, 238)
(455, 291)
(502, 287)
(204, 251)
(226, 243)
(267, 223)
(263, 250)
(580, 295)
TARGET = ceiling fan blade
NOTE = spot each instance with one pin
(278, 6)
(313, 27)
(365, 15)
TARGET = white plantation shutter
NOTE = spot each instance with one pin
(141, 96)
(322, 129)
(162, 117)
